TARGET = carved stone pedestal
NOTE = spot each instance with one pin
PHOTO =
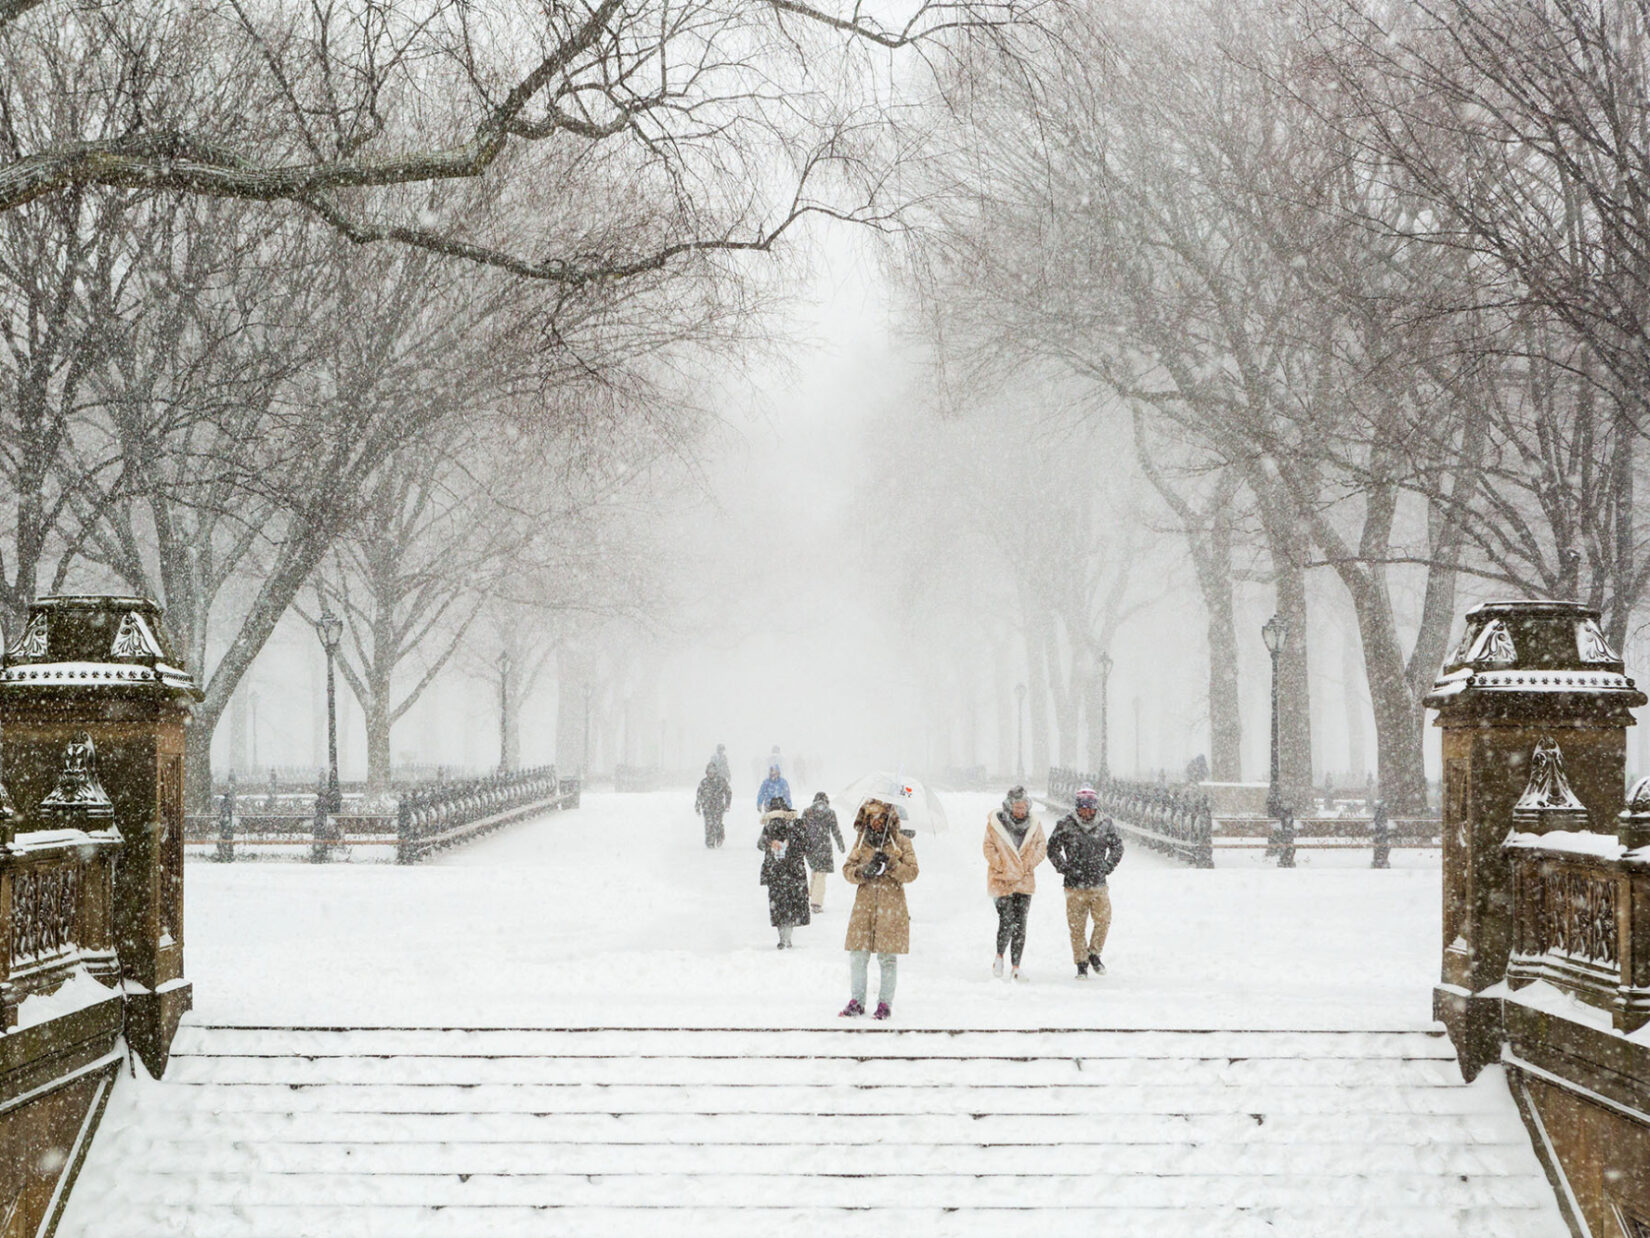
(1529, 682)
(92, 711)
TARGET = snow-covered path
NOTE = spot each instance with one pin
(581, 1027)
(617, 915)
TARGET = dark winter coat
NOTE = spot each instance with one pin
(785, 874)
(820, 824)
(714, 797)
(1085, 854)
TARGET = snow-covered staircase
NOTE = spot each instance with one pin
(675, 1133)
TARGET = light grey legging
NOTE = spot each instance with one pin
(859, 966)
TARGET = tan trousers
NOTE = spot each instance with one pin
(816, 888)
(1080, 905)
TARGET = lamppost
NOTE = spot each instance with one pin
(504, 711)
(1275, 633)
(330, 628)
(1105, 705)
(1020, 743)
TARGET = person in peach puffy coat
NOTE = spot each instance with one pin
(1014, 847)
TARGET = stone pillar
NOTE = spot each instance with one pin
(99, 668)
(1528, 678)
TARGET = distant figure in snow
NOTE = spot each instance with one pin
(819, 824)
(712, 803)
(1014, 847)
(720, 761)
(882, 862)
(1084, 849)
(773, 787)
(784, 869)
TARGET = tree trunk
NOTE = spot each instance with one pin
(1294, 686)
(1351, 673)
(1213, 566)
(1400, 766)
(1092, 707)
(379, 725)
(1006, 705)
(1063, 692)
(1037, 761)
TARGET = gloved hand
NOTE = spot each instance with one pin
(875, 866)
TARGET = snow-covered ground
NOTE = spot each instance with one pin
(653, 1064)
(616, 914)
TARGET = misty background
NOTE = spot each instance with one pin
(955, 389)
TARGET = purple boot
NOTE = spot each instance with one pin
(852, 1010)
(883, 1010)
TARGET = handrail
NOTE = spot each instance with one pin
(419, 821)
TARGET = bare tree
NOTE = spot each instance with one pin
(730, 122)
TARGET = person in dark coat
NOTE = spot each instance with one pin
(715, 795)
(819, 823)
(784, 869)
(1084, 848)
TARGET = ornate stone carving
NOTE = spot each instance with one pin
(133, 639)
(1591, 644)
(1548, 803)
(1576, 916)
(1494, 646)
(32, 644)
(44, 903)
(78, 791)
(1462, 648)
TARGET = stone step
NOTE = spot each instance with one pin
(356, 1133)
(455, 1157)
(1002, 1221)
(863, 1040)
(812, 1072)
(664, 1097)
(884, 1186)
(743, 1130)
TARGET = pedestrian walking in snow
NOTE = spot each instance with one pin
(819, 824)
(784, 869)
(1084, 848)
(1014, 847)
(773, 787)
(882, 862)
(712, 803)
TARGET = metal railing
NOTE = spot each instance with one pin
(434, 818)
(415, 822)
(1180, 822)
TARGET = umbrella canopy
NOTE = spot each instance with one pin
(918, 807)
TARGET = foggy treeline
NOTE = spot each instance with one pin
(421, 313)
(1352, 289)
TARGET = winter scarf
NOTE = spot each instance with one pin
(1016, 829)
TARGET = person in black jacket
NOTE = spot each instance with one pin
(819, 823)
(712, 803)
(784, 869)
(1084, 849)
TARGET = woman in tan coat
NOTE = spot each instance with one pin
(1014, 847)
(881, 862)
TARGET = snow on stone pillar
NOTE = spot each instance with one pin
(1532, 693)
(97, 671)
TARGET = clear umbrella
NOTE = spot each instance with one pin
(918, 807)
